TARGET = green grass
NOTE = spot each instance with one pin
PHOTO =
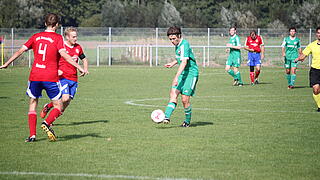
(260, 132)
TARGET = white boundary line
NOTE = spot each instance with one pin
(105, 176)
(136, 102)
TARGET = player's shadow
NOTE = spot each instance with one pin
(81, 123)
(195, 124)
(4, 97)
(78, 136)
(298, 87)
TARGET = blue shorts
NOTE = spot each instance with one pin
(53, 89)
(254, 59)
(68, 87)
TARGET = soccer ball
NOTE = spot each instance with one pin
(157, 116)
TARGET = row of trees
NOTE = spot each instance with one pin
(162, 13)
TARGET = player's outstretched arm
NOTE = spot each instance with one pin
(68, 58)
(171, 64)
(262, 52)
(13, 57)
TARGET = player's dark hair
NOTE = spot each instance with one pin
(317, 28)
(51, 19)
(174, 31)
(235, 28)
(253, 32)
(293, 28)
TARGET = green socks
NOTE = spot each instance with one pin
(188, 112)
(238, 77)
(169, 109)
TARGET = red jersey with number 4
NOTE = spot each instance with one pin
(69, 71)
(254, 44)
(46, 47)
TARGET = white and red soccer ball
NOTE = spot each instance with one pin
(157, 116)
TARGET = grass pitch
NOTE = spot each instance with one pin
(260, 132)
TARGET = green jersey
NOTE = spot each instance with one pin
(235, 41)
(291, 46)
(183, 51)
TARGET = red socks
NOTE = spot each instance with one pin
(257, 74)
(252, 77)
(50, 105)
(54, 114)
(32, 120)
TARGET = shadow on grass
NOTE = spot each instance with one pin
(81, 123)
(298, 87)
(78, 136)
(195, 124)
(3, 97)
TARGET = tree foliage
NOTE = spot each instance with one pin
(162, 13)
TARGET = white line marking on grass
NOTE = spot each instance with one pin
(106, 176)
(136, 102)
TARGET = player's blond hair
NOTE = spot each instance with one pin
(69, 29)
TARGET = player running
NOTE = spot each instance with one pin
(291, 49)
(68, 73)
(47, 48)
(314, 74)
(234, 58)
(186, 78)
(254, 44)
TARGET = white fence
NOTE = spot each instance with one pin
(150, 46)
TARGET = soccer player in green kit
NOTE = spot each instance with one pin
(234, 58)
(291, 49)
(186, 78)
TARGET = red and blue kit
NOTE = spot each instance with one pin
(254, 44)
(44, 73)
(69, 77)
(69, 71)
(254, 58)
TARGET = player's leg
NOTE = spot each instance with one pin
(32, 120)
(287, 66)
(228, 69)
(258, 68)
(53, 90)
(34, 92)
(46, 108)
(252, 75)
(187, 91)
(187, 110)
(238, 76)
(251, 66)
(293, 75)
(314, 78)
(171, 105)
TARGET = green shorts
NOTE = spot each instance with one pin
(288, 64)
(187, 85)
(233, 61)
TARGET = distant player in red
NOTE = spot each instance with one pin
(68, 73)
(47, 47)
(255, 45)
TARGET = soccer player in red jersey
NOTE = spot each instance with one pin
(67, 72)
(254, 44)
(47, 47)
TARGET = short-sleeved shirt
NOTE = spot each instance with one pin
(314, 49)
(69, 71)
(235, 41)
(184, 51)
(255, 44)
(46, 47)
(291, 46)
